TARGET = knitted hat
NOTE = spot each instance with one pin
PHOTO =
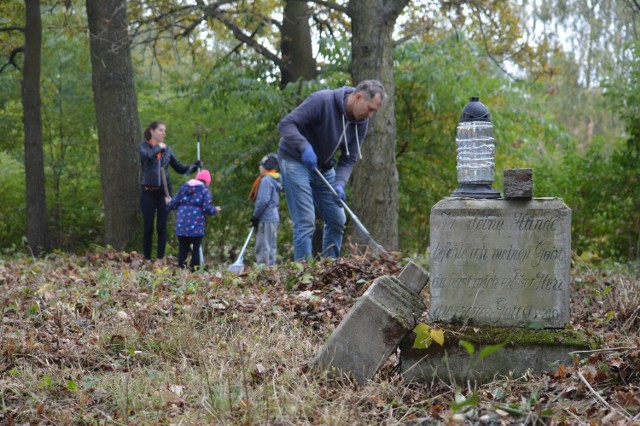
(204, 176)
(269, 162)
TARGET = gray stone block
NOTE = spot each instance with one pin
(518, 183)
(500, 262)
(413, 277)
(502, 267)
(374, 327)
(537, 351)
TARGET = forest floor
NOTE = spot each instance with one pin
(107, 338)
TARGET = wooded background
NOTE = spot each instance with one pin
(80, 80)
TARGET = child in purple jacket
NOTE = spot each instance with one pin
(192, 201)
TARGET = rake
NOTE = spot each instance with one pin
(238, 266)
(201, 251)
(359, 226)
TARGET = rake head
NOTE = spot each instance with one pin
(236, 267)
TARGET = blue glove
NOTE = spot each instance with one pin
(341, 195)
(309, 158)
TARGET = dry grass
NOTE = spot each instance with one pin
(107, 339)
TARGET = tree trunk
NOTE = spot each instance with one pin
(375, 178)
(37, 216)
(298, 64)
(295, 43)
(116, 117)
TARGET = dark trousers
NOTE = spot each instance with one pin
(152, 204)
(188, 245)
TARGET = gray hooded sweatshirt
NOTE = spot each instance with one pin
(268, 199)
(321, 121)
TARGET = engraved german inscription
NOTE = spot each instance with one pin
(500, 263)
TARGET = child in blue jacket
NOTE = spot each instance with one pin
(192, 201)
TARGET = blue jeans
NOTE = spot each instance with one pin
(304, 190)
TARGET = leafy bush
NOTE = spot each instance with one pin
(13, 206)
(433, 84)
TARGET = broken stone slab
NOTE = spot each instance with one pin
(518, 183)
(537, 351)
(374, 327)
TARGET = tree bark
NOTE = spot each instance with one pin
(37, 216)
(116, 117)
(375, 177)
(295, 44)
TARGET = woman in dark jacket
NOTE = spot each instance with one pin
(155, 191)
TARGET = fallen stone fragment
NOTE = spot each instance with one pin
(374, 327)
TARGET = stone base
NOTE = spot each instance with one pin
(536, 350)
(480, 191)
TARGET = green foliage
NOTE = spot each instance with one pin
(622, 181)
(425, 335)
(72, 386)
(11, 135)
(336, 53)
(12, 201)
(69, 137)
(12, 15)
(433, 83)
(69, 141)
(237, 114)
(597, 184)
(463, 403)
(490, 350)
(234, 102)
(610, 221)
(468, 346)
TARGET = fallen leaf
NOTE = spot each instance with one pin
(176, 389)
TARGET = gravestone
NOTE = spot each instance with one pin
(374, 327)
(500, 263)
(499, 277)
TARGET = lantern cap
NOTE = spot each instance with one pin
(475, 111)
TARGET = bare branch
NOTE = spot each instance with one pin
(228, 55)
(8, 29)
(179, 22)
(251, 42)
(493, 58)
(601, 400)
(173, 12)
(634, 5)
(328, 4)
(414, 33)
(323, 23)
(393, 8)
(12, 59)
(189, 28)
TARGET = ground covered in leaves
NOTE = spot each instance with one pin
(107, 338)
